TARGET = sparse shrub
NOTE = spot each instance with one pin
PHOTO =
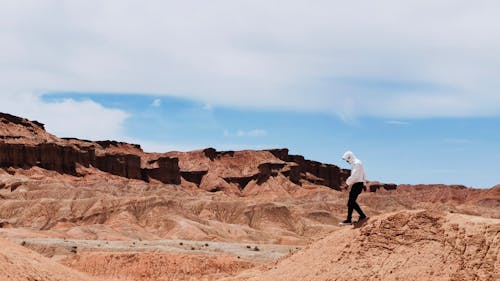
(256, 249)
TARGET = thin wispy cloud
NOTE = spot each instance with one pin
(397, 123)
(242, 133)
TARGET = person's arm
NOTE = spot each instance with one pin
(356, 175)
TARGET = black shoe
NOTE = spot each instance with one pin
(361, 219)
(346, 222)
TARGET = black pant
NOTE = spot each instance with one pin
(351, 204)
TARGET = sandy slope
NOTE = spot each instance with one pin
(406, 245)
(19, 263)
(157, 266)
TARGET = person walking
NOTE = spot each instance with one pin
(356, 181)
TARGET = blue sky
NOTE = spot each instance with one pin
(412, 87)
(433, 150)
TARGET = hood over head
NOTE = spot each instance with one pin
(349, 157)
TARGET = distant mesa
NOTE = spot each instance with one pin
(25, 144)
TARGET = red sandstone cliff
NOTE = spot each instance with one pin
(25, 144)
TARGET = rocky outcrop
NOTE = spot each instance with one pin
(374, 186)
(49, 156)
(267, 170)
(126, 165)
(109, 143)
(8, 118)
(64, 159)
(324, 174)
(14, 129)
(25, 144)
(239, 168)
(194, 176)
(166, 170)
(213, 154)
(241, 181)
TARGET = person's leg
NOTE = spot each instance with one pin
(351, 203)
(358, 209)
(357, 189)
(349, 211)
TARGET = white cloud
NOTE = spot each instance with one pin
(382, 58)
(67, 118)
(243, 133)
(397, 122)
(156, 103)
(251, 133)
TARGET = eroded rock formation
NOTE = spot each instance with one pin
(25, 144)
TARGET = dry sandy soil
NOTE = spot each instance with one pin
(402, 245)
(121, 229)
(19, 263)
(405, 245)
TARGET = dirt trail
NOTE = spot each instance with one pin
(63, 248)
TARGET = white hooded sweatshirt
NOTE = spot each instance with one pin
(357, 170)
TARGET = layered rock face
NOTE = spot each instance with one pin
(164, 169)
(323, 174)
(374, 186)
(25, 144)
(50, 156)
(234, 171)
